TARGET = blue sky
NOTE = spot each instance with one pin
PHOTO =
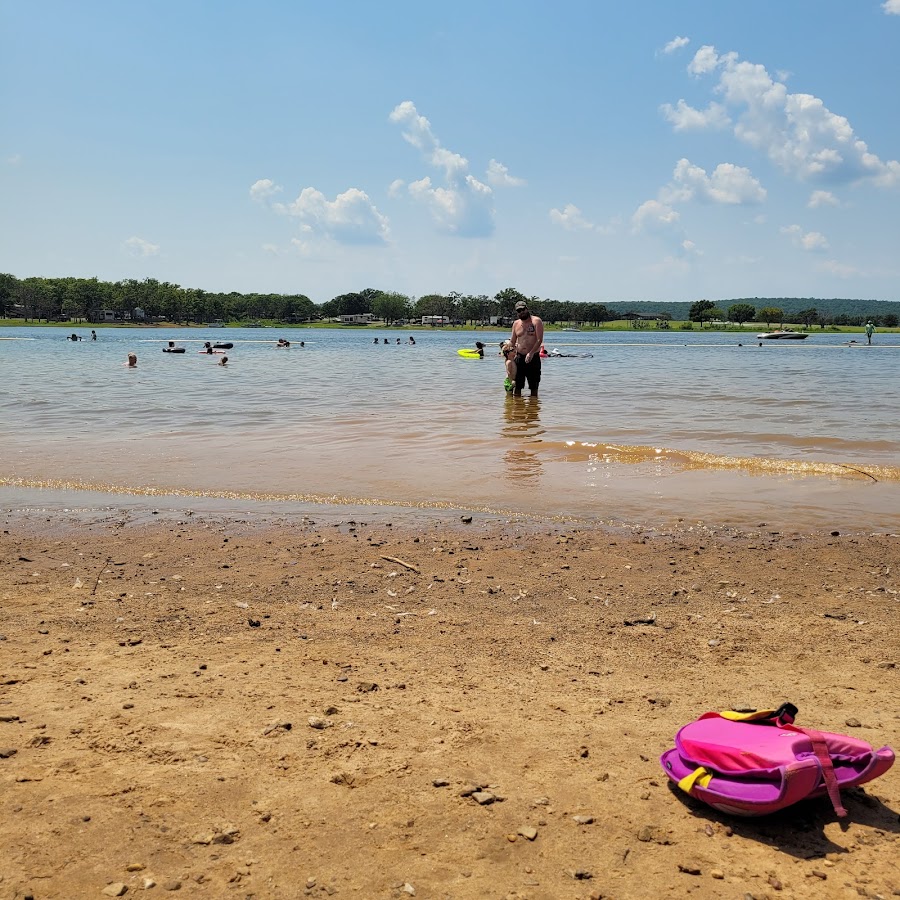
(603, 151)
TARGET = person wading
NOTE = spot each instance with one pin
(525, 341)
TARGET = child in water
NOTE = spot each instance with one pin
(132, 361)
(223, 361)
(510, 381)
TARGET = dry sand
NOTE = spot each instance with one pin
(233, 711)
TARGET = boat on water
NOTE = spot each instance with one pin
(782, 334)
(217, 324)
(571, 329)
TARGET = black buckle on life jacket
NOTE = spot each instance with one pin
(785, 714)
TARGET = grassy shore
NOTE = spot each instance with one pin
(617, 325)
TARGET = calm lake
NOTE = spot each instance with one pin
(652, 429)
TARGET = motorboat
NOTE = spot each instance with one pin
(782, 334)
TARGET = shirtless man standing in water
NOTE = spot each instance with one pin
(525, 341)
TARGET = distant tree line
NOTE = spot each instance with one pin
(92, 300)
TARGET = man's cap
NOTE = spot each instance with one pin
(521, 305)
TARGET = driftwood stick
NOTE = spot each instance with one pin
(102, 569)
(405, 565)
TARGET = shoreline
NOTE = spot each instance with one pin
(328, 749)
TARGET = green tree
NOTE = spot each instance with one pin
(391, 306)
(8, 284)
(507, 300)
(770, 314)
(808, 316)
(741, 312)
(702, 311)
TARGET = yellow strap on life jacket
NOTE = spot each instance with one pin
(733, 716)
(698, 776)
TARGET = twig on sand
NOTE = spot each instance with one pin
(102, 569)
(400, 562)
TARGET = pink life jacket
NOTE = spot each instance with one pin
(752, 764)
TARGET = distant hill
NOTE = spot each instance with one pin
(853, 310)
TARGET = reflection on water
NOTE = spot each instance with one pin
(521, 423)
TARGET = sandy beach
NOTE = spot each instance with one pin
(221, 709)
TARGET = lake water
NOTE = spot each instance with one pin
(652, 429)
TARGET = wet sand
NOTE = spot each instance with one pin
(227, 708)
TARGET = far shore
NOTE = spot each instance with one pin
(624, 325)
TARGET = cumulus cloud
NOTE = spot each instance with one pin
(729, 184)
(822, 198)
(351, 218)
(842, 270)
(686, 118)
(705, 60)
(891, 7)
(498, 175)
(263, 189)
(655, 216)
(139, 247)
(571, 218)
(676, 44)
(460, 203)
(806, 240)
(797, 132)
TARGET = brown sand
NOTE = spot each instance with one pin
(161, 733)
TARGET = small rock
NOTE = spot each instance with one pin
(173, 885)
(408, 889)
(853, 723)
(366, 687)
(7, 752)
(582, 875)
(689, 869)
(310, 883)
(584, 820)
(316, 722)
(116, 889)
(527, 832)
(483, 798)
(817, 874)
(148, 883)
(134, 867)
(774, 883)
(440, 782)
(718, 874)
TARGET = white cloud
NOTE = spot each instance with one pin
(462, 205)
(351, 218)
(891, 7)
(705, 60)
(806, 240)
(396, 187)
(654, 216)
(686, 118)
(842, 270)
(822, 198)
(676, 44)
(498, 175)
(797, 132)
(571, 218)
(728, 184)
(263, 189)
(139, 247)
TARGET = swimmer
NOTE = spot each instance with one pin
(132, 361)
(93, 335)
(384, 341)
(398, 340)
(510, 358)
(302, 344)
(73, 337)
(223, 361)
(283, 343)
(207, 347)
(375, 341)
(480, 348)
(411, 341)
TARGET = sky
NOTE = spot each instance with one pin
(586, 151)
